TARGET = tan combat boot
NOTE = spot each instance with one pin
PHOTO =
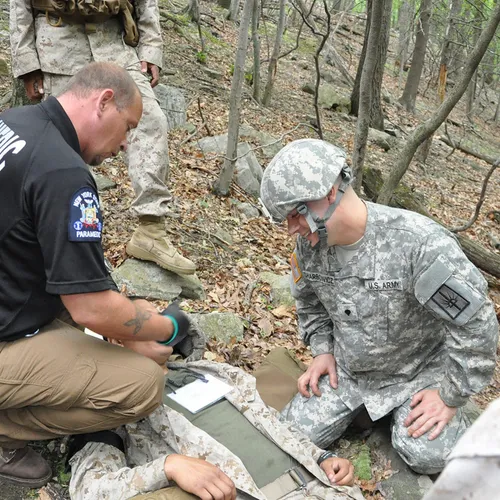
(149, 242)
(24, 466)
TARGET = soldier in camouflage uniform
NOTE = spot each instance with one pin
(47, 50)
(398, 320)
(101, 471)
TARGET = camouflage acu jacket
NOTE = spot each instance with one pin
(407, 311)
(37, 44)
(97, 473)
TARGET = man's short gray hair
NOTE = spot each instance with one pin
(100, 76)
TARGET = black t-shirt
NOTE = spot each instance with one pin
(50, 220)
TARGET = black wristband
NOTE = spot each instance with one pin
(324, 456)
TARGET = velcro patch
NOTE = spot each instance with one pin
(85, 221)
(296, 272)
(450, 301)
(384, 285)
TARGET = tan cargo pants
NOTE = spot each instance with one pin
(62, 381)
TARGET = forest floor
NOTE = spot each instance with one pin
(451, 184)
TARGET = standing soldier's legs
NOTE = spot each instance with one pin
(422, 455)
(148, 166)
(147, 159)
(323, 419)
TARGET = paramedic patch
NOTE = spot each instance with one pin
(85, 221)
(450, 301)
(384, 285)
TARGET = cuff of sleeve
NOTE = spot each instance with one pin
(321, 345)
(22, 64)
(158, 478)
(152, 55)
(449, 395)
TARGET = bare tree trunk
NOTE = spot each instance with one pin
(273, 62)
(411, 88)
(330, 55)
(427, 128)
(357, 80)
(256, 50)
(450, 36)
(405, 23)
(323, 38)
(226, 174)
(471, 96)
(376, 113)
(425, 148)
(471, 90)
(193, 10)
(233, 10)
(496, 118)
(365, 93)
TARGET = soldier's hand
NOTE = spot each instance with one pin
(151, 349)
(199, 477)
(324, 364)
(340, 471)
(428, 412)
(153, 71)
(33, 84)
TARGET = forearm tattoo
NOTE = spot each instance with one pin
(141, 317)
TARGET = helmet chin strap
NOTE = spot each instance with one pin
(317, 223)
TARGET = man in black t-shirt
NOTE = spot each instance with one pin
(54, 380)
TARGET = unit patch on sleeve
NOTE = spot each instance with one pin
(450, 301)
(85, 221)
(296, 272)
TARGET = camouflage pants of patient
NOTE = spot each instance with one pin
(324, 419)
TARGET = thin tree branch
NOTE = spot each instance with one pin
(480, 201)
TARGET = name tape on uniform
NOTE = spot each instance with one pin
(383, 285)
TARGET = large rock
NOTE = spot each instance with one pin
(248, 171)
(173, 105)
(247, 209)
(103, 182)
(280, 288)
(213, 144)
(221, 327)
(270, 144)
(329, 98)
(381, 139)
(146, 279)
(404, 484)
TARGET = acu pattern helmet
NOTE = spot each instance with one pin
(304, 170)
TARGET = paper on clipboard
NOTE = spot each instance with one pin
(198, 395)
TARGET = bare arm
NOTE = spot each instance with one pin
(117, 317)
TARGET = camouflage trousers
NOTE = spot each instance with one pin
(147, 152)
(324, 419)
